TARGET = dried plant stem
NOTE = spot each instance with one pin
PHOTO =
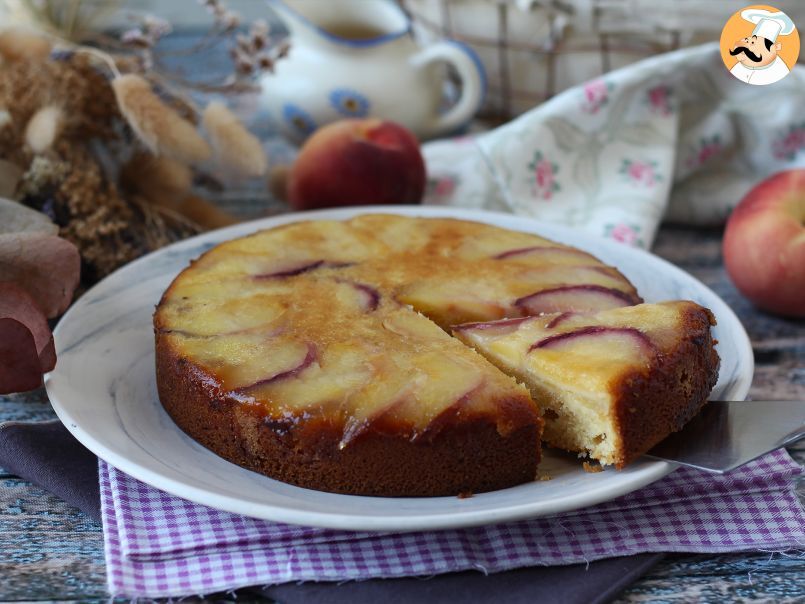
(101, 56)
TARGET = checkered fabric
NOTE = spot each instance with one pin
(160, 545)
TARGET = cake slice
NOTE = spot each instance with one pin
(611, 384)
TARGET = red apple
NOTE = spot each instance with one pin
(357, 162)
(764, 244)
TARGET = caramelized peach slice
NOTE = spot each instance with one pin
(245, 361)
(578, 298)
(409, 324)
(444, 302)
(612, 344)
(377, 399)
(359, 295)
(292, 269)
(494, 328)
(221, 316)
(443, 380)
(540, 255)
(338, 372)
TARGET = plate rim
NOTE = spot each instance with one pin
(652, 470)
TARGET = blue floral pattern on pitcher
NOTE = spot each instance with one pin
(349, 102)
(298, 119)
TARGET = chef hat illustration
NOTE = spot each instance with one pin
(769, 25)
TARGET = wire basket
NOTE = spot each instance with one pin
(533, 49)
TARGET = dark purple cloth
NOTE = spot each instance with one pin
(47, 455)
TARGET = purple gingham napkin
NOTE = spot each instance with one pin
(158, 545)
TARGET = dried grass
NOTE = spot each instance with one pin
(161, 180)
(158, 125)
(18, 44)
(43, 128)
(236, 149)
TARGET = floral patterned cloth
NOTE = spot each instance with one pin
(675, 137)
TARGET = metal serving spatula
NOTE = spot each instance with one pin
(728, 434)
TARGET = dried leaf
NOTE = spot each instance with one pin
(46, 266)
(17, 218)
(236, 149)
(26, 343)
(43, 128)
(19, 364)
(157, 125)
(17, 44)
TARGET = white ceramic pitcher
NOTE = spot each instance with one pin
(356, 58)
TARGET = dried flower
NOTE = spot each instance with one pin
(235, 147)
(257, 51)
(43, 128)
(157, 125)
(17, 44)
(224, 18)
(156, 27)
(136, 37)
(148, 33)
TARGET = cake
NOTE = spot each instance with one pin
(611, 384)
(320, 353)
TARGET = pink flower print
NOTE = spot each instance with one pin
(441, 188)
(706, 150)
(787, 146)
(624, 233)
(444, 187)
(464, 139)
(596, 95)
(544, 175)
(543, 183)
(640, 172)
(659, 99)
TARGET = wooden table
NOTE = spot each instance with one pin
(51, 551)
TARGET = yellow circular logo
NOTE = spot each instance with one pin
(759, 45)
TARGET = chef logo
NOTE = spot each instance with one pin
(759, 45)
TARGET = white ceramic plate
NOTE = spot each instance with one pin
(103, 389)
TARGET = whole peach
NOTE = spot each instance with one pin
(357, 162)
(764, 244)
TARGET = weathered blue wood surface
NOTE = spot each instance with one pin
(50, 551)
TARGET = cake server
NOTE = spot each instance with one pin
(729, 434)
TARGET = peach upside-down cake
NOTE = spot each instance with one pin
(398, 356)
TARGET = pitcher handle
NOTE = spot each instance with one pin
(473, 82)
